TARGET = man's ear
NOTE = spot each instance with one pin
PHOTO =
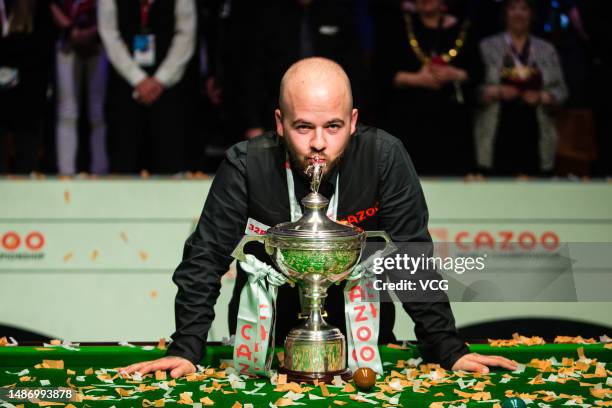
(354, 117)
(278, 117)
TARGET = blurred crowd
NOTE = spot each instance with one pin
(471, 87)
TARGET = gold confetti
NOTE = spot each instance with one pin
(153, 294)
(324, 390)
(207, 402)
(161, 344)
(123, 236)
(143, 255)
(94, 254)
(281, 379)
(397, 346)
(283, 402)
(185, 398)
(337, 402)
(3, 341)
(55, 364)
(160, 375)
(237, 405)
(68, 256)
(89, 371)
(67, 196)
(55, 342)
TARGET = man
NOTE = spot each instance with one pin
(315, 116)
(149, 44)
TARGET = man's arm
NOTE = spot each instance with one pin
(183, 43)
(206, 256)
(116, 50)
(403, 214)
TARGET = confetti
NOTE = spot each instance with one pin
(207, 401)
(160, 375)
(143, 255)
(123, 236)
(67, 196)
(94, 255)
(161, 344)
(68, 256)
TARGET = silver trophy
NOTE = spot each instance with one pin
(314, 252)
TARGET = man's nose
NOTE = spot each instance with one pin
(318, 141)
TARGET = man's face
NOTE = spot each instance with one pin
(316, 122)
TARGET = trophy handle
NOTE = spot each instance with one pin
(388, 249)
(238, 252)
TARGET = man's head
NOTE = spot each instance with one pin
(315, 115)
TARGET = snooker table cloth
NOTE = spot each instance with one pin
(550, 375)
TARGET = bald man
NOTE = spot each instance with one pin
(250, 190)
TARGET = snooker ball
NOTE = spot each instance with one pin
(364, 378)
(514, 403)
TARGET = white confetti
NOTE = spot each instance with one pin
(126, 344)
(137, 376)
(338, 381)
(314, 397)
(394, 400)
(147, 348)
(45, 383)
(505, 380)
(415, 361)
(80, 378)
(605, 339)
(520, 369)
(293, 396)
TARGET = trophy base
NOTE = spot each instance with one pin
(326, 377)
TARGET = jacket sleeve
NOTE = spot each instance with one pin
(206, 257)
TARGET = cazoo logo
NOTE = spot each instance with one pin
(26, 246)
(507, 240)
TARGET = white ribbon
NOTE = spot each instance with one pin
(256, 318)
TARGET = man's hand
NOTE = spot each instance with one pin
(178, 366)
(531, 97)
(480, 363)
(508, 92)
(427, 79)
(149, 90)
(448, 73)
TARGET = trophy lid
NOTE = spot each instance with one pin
(314, 223)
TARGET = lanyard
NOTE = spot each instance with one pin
(4, 19)
(296, 211)
(145, 7)
(518, 59)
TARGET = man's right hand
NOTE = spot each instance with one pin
(178, 366)
(148, 90)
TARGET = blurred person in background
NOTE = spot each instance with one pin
(26, 47)
(149, 44)
(79, 56)
(427, 66)
(514, 129)
(285, 32)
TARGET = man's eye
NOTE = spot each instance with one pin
(334, 126)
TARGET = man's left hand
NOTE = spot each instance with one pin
(481, 364)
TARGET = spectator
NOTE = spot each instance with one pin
(426, 65)
(287, 31)
(25, 58)
(149, 44)
(514, 129)
(79, 55)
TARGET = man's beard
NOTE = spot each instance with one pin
(300, 164)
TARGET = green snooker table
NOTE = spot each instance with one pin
(552, 375)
